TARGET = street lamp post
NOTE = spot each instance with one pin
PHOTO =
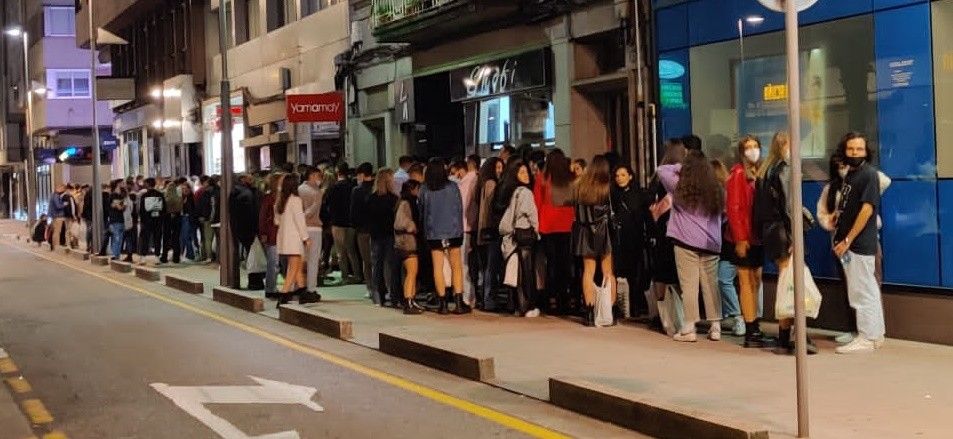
(30, 171)
(97, 179)
(228, 263)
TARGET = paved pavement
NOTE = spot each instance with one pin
(95, 351)
(904, 390)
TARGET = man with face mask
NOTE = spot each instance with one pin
(856, 243)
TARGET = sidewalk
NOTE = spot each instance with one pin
(903, 390)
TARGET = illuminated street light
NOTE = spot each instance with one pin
(754, 19)
(14, 32)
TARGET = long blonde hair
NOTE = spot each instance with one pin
(592, 188)
(384, 183)
(776, 154)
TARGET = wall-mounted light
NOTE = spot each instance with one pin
(754, 19)
(14, 32)
(159, 92)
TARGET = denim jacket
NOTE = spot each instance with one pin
(441, 212)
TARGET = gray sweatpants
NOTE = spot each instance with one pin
(697, 269)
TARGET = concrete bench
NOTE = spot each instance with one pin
(183, 284)
(120, 266)
(146, 273)
(456, 363)
(79, 254)
(313, 320)
(99, 260)
(642, 414)
(238, 299)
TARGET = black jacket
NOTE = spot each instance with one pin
(243, 208)
(88, 206)
(380, 210)
(359, 206)
(338, 202)
(151, 206)
(207, 206)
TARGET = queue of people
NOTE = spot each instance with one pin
(525, 232)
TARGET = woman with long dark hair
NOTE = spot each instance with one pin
(292, 237)
(441, 210)
(406, 245)
(695, 228)
(629, 203)
(591, 240)
(553, 194)
(488, 232)
(519, 227)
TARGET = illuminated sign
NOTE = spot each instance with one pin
(672, 95)
(777, 92)
(668, 69)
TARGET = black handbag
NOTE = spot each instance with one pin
(524, 237)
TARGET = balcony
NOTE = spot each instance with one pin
(424, 22)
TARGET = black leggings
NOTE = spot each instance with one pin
(559, 269)
(526, 282)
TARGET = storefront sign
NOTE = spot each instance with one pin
(775, 92)
(504, 76)
(325, 107)
(672, 95)
(668, 69)
(901, 72)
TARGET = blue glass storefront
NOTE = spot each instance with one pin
(884, 67)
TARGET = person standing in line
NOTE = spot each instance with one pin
(591, 232)
(402, 174)
(519, 227)
(748, 252)
(407, 242)
(338, 204)
(629, 203)
(292, 240)
(552, 192)
(131, 219)
(662, 254)
(727, 271)
(464, 174)
(88, 216)
(151, 212)
(203, 210)
(115, 220)
(358, 213)
(856, 242)
(578, 168)
(268, 232)
(441, 211)
(312, 194)
(488, 234)
(380, 209)
(55, 208)
(172, 223)
(695, 227)
(243, 205)
(187, 229)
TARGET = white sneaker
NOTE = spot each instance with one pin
(714, 335)
(844, 338)
(532, 313)
(691, 337)
(879, 343)
(858, 346)
(739, 328)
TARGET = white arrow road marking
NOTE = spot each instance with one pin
(193, 399)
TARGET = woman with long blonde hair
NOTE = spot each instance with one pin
(381, 206)
(591, 239)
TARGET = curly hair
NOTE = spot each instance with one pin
(698, 188)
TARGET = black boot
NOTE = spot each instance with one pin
(284, 299)
(411, 308)
(785, 347)
(442, 305)
(590, 319)
(459, 306)
(753, 336)
(305, 296)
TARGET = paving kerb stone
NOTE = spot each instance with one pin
(120, 266)
(79, 255)
(238, 299)
(146, 273)
(422, 352)
(99, 260)
(316, 320)
(642, 414)
(184, 284)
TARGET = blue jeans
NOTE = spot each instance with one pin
(187, 237)
(116, 232)
(726, 285)
(271, 269)
(383, 278)
(492, 272)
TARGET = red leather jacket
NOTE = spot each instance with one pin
(552, 218)
(739, 204)
(266, 221)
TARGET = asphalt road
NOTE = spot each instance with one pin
(95, 352)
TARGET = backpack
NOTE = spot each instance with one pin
(769, 202)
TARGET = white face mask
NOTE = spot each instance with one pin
(753, 154)
(843, 172)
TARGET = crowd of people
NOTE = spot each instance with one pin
(527, 232)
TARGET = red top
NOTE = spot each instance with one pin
(267, 230)
(552, 219)
(739, 203)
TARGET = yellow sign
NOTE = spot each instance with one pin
(775, 92)
(948, 61)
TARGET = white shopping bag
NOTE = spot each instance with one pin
(511, 272)
(670, 310)
(603, 304)
(784, 303)
(257, 262)
(622, 289)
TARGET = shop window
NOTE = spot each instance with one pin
(67, 84)
(524, 118)
(59, 21)
(495, 121)
(943, 85)
(740, 87)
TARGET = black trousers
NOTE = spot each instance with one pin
(559, 269)
(150, 238)
(171, 228)
(525, 291)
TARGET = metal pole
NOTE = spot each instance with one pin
(97, 179)
(797, 219)
(228, 268)
(30, 171)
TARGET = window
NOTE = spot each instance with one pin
(59, 21)
(67, 84)
(495, 121)
(521, 118)
(280, 13)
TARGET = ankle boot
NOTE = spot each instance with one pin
(411, 308)
(590, 315)
(785, 347)
(753, 336)
(459, 306)
(442, 305)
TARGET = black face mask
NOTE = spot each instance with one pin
(854, 162)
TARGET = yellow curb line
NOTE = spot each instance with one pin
(36, 411)
(55, 435)
(19, 385)
(8, 366)
(484, 412)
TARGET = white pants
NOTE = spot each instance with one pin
(696, 270)
(469, 295)
(863, 293)
(314, 257)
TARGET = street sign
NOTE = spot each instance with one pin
(778, 5)
(325, 107)
(193, 400)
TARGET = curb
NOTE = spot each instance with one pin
(462, 365)
(238, 299)
(99, 260)
(146, 273)
(120, 267)
(183, 284)
(79, 255)
(310, 319)
(639, 413)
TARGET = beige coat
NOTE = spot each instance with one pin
(292, 231)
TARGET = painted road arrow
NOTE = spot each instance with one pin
(193, 400)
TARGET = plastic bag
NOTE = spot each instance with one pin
(603, 304)
(622, 288)
(670, 311)
(257, 262)
(784, 303)
(511, 271)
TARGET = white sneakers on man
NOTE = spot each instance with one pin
(689, 337)
(859, 345)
